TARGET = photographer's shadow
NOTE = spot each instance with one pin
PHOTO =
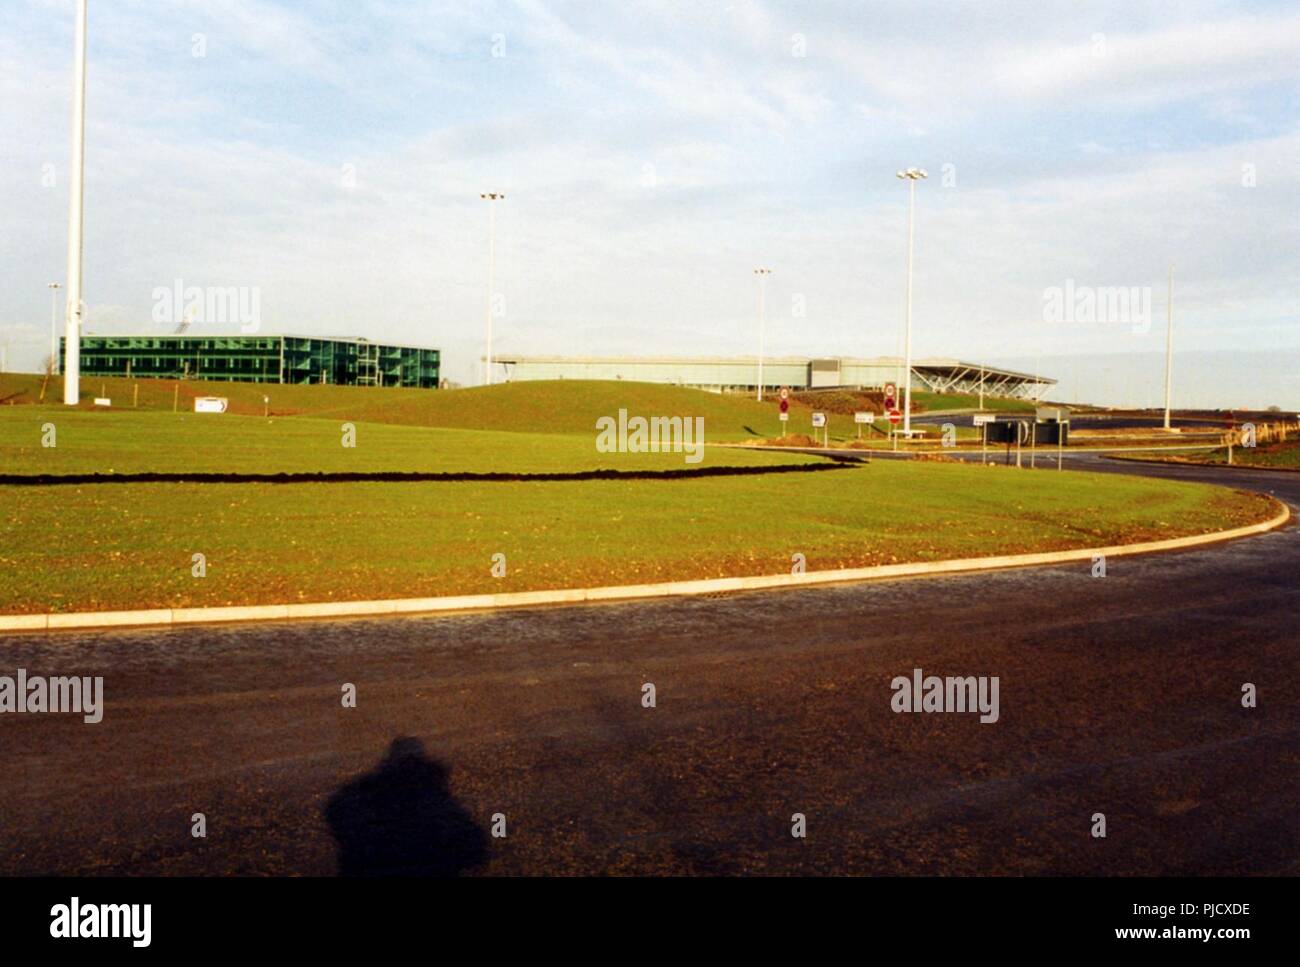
(400, 819)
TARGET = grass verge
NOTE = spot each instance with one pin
(1279, 456)
(102, 547)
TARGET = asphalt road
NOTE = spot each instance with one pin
(1118, 695)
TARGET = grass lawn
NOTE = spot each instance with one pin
(135, 441)
(1282, 455)
(559, 406)
(129, 545)
(555, 406)
(115, 546)
(967, 401)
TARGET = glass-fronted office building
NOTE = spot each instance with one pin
(258, 359)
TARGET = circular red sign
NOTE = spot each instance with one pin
(785, 393)
(895, 416)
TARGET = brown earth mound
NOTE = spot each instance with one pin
(790, 440)
(846, 402)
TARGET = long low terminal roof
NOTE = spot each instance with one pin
(947, 365)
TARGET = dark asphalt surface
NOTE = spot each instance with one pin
(1118, 695)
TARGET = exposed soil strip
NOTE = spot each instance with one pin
(78, 479)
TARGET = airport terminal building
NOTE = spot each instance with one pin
(259, 359)
(740, 374)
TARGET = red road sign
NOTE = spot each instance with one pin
(785, 404)
(895, 417)
(891, 394)
(785, 393)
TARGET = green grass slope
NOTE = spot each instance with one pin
(131, 545)
(543, 406)
(551, 406)
(135, 441)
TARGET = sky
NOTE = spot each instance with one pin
(329, 157)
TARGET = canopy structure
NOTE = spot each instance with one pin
(734, 374)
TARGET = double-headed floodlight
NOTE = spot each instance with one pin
(491, 197)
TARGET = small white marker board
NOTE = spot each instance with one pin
(819, 419)
(103, 401)
(210, 404)
(983, 418)
(864, 417)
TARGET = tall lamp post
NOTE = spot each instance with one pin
(1169, 347)
(491, 197)
(54, 324)
(911, 176)
(762, 291)
(76, 185)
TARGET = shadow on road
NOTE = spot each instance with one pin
(400, 819)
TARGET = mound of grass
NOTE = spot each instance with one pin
(141, 441)
(941, 402)
(543, 406)
(549, 406)
(131, 545)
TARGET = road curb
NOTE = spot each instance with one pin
(623, 592)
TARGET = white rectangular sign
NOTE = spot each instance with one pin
(785, 417)
(103, 401)
(819, 419)
(210, 404)
(982, 418)
(864, 417)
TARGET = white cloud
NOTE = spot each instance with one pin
(753, 156)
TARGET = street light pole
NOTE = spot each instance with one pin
(1169, 346)
(54, 325)
(491, 197)
(762, 319)
(911, 176)
(76, 185)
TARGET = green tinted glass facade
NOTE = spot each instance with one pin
(259, 359)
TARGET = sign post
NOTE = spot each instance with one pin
(891, 397)
(819, 422)
(860, 418)
(785, 407)
(983, 420)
